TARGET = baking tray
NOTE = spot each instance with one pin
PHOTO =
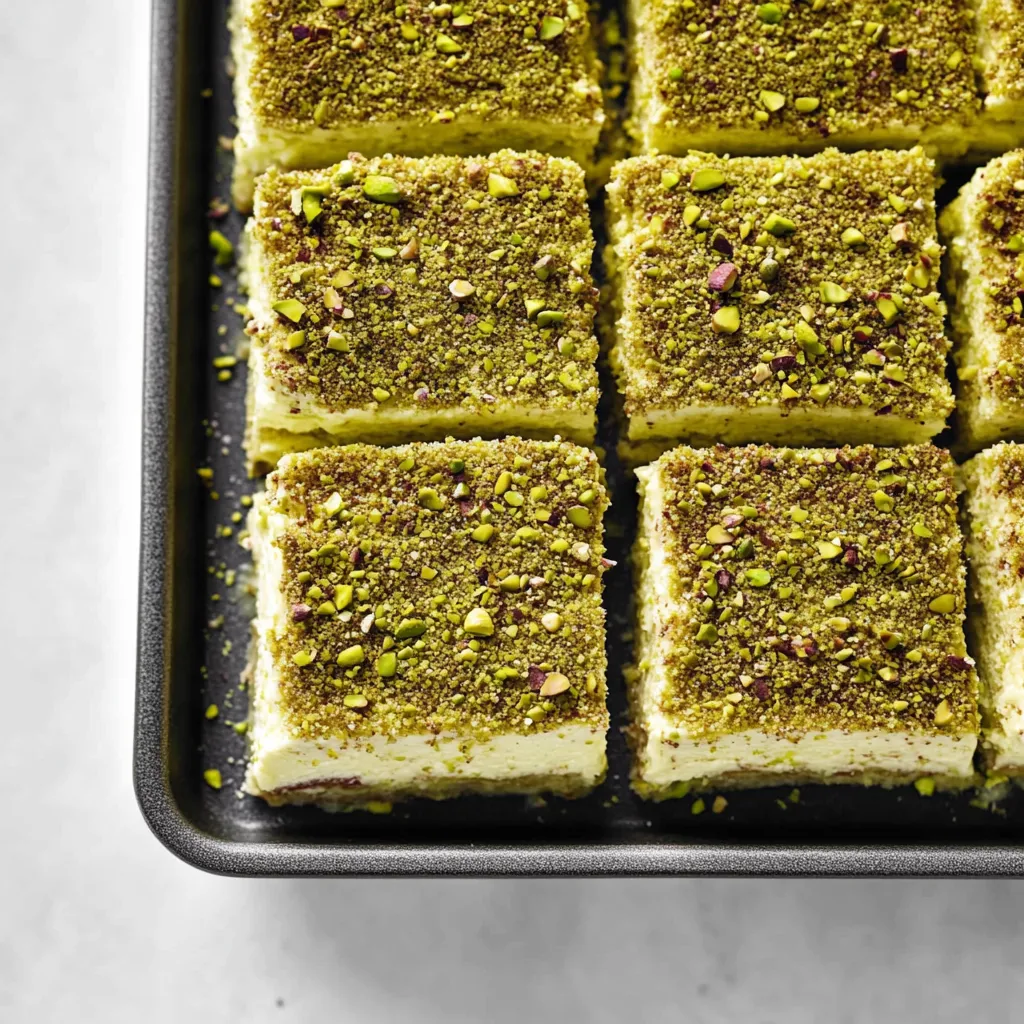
(192, 420)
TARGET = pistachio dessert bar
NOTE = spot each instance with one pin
(740, 77)
(984, 231)
(1000, 26)
(318, 79)
(429, 623)
(779, 299)
(408, 297)
(801, 620)
(994, 483)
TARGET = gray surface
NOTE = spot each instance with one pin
(97, 922)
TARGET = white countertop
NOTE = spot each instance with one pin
(98, 922)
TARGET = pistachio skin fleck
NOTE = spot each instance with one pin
(453, 648)
(817, 315)
(799, 637)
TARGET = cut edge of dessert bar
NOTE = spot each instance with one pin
(440, 642)
(722, 694)
(994, 484)
(787, 115)
(857, 394)
(473, 321)
(988, 337)
(1000, 37)
(316, 135)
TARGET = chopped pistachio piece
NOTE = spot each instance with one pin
(223, 249)
(833, 293)
(379, 188)
(778, 225)
(726, 320)
(707, 179)
(351, 656)
(501, 187)
(290, 309)
(551, 28)
(478, 623)
(771, 100)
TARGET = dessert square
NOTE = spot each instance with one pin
(1000, 26)
(779, 299)
(994, 483)
(318, 79)
(733, 76)
(800, 620)
(984, 231)
(420, 297)
(429, 623)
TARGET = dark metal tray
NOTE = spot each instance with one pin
(191, 420)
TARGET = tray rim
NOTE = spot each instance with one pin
(151, 761)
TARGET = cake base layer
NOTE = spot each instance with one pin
(332, 795)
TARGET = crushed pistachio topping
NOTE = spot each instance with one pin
(807, 70)
(822, 305)
(424, 285)
(1002, 29)
(503, 634)
(330, 65)
(804, 604)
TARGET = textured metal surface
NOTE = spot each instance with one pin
(183, 665)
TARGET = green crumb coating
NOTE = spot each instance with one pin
(449, 581)
(990, 214)
(325, 66)
(429, 283)
(1001, 28)
(809, 69)
(832, 301)
(814, 589)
